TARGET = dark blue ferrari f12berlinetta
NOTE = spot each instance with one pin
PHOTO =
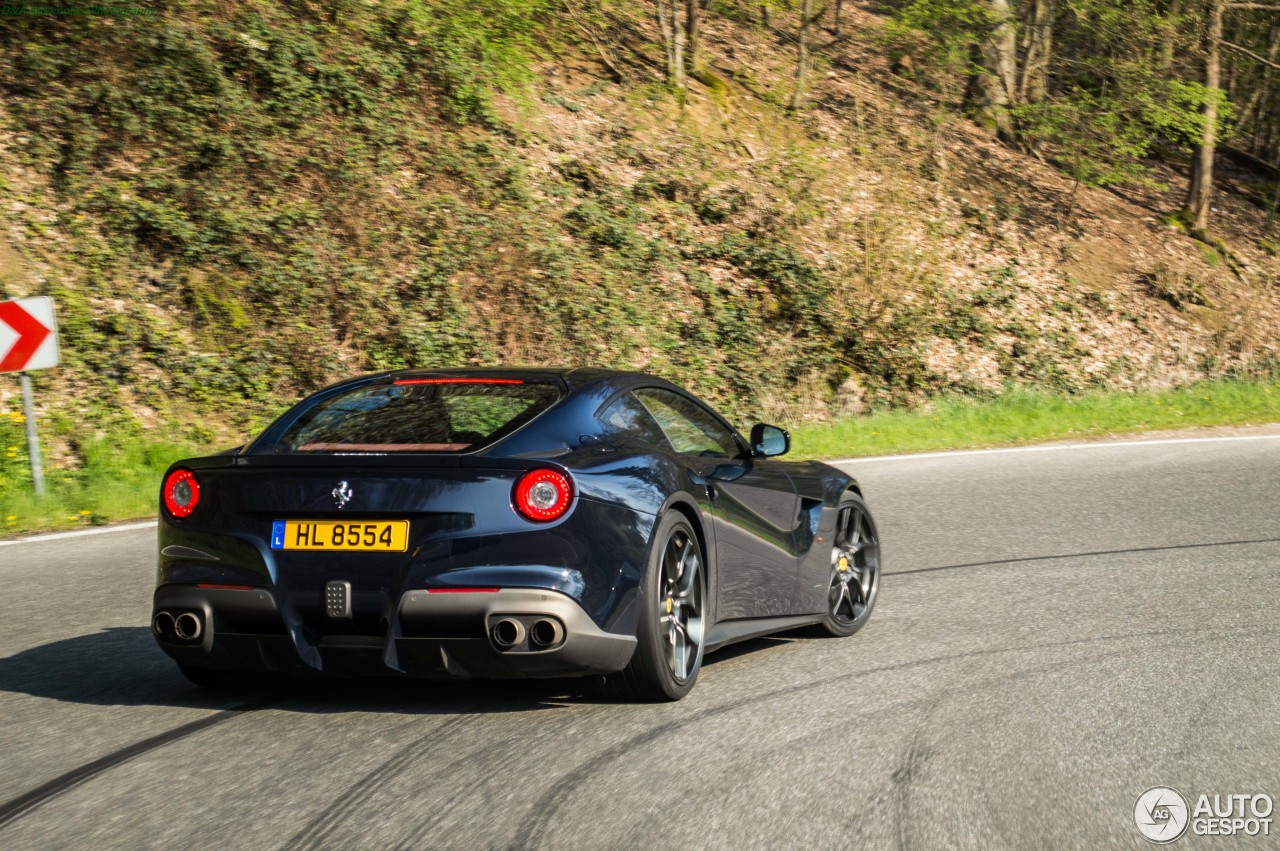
(504, 523)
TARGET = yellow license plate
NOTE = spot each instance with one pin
(388, 536)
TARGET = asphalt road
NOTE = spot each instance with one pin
(1057, 631)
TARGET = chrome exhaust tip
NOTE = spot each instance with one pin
(162, 625)
(507, 633)
(187, 626)
(547, 632)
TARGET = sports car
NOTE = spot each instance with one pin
(500, 523)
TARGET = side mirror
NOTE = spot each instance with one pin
(769, 441)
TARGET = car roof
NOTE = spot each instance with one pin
(574, 378)
(566, 373)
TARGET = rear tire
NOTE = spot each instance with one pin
(855, 570)
(673, 619)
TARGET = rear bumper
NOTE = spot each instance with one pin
(427, 635)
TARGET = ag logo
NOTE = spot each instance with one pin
(1161, 814)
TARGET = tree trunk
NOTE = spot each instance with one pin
(1254, 114)
(1200, 188)
(1005, 48)
(802, 54)
(1268, 98)
(993, 89)
(677, 73)
(839, 9)
(1033, 85)
(693, 24)
(672, 41)
(1172, 20)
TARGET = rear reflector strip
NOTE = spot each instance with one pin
(401, 381)
(462, 590)
(226, 587)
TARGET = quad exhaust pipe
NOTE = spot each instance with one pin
(507, 633)
(185, 627)
(546, 632)
(543, 634)
(162, 625)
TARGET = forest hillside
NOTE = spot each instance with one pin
(797, 215)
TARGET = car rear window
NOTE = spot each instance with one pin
(418, 415)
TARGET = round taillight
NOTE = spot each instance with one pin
(181, 493)
(543, 495)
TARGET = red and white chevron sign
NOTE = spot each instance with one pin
(28, 335)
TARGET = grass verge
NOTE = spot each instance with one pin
(1025, 416)
(117, 480)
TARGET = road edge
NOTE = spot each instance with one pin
(78, 533)
(1054, 447)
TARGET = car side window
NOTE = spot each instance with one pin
(689, 428)
(626, 417)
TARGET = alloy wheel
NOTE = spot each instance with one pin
(855, 566)
(680, 605)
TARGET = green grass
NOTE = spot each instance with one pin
(1025, 416)
(118, 480)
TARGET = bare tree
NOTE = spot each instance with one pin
(1255, 111)
(1200, 186)
(807, 18)
(993, 89)
(1037, 51)
(1172, 20)
(1200, 189)
(681, 30)
(673, 41)
(693, 25)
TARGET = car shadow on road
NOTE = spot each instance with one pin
(746, 648)
(121, 666)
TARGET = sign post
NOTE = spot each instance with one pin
(33, 440)
(28, 340)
